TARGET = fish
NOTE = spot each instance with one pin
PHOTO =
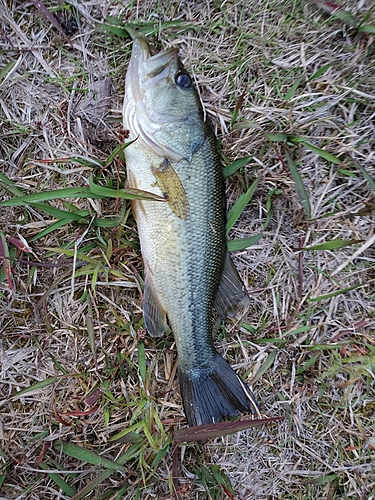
(173, 153)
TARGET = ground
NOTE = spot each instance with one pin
(289, 88)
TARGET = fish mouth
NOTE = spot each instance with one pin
(152, 67)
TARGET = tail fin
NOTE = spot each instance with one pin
(209, 396)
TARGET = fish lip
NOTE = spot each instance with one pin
(155, 65)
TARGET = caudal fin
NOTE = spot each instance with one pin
(209, 396)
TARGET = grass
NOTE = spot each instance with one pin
(89, 402)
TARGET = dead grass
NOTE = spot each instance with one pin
(312, 314)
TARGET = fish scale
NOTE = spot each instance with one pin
(186, 264)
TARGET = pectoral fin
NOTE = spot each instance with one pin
(153, 314)
(170, 184)
(231, 296)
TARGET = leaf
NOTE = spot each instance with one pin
(243, 124)
(159, 456)
(67, 489)
(77, 192)
(138, 426)
(90, 327)
(367, 176)
(336, 11)
(7, 68)
(209, 431)
(319, 72)
(87, 456)
(242, 243)
(291, 92)
(334, 294)
(323, 479)
(78, 215)
(38, 385)
(236, 165)
(300, 188)
(308, 363)
(53, 227)
(277, 137)
(240, 205)
(367, 28)
(321, 152)
(142, 361)
(93, 191)
(127, 193)
(346, 17)
(331, 245)
(130, 453)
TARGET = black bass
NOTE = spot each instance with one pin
(187, 268)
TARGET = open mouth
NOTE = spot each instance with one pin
(156, 64)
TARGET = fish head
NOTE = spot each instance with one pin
(161, 106)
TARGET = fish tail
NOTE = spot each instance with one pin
(208, 396)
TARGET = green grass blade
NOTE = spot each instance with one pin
(142, 361)
(130, 453)
(159, 456)
(293, 89)
(53, 227)
(367, 28)
(319, 72)
(127, 193)
(333, 294)
(321, 152)
(366, 175)
(38, 385)
(240, 205)
(70, 253)
(61, 214)
(300, 188)
(308, 363)
(67, 489)
(9, 186)
(87, 456)
(242, 243)
(90, 328)
(277, 137)
(108, 223)
(77, 192)
(331, 245)
(236, 165)
(4, 71)
(345, 17)
(138, 426)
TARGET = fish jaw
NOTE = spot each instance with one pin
(166, 118)
(145, 69)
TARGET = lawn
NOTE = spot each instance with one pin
(88, 401)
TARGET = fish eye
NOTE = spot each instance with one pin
(183, 80)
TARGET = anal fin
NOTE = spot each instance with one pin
(154, 315)
(231, 295)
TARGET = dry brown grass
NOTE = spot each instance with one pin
(82, 324)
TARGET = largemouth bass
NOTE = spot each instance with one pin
(187, 268)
